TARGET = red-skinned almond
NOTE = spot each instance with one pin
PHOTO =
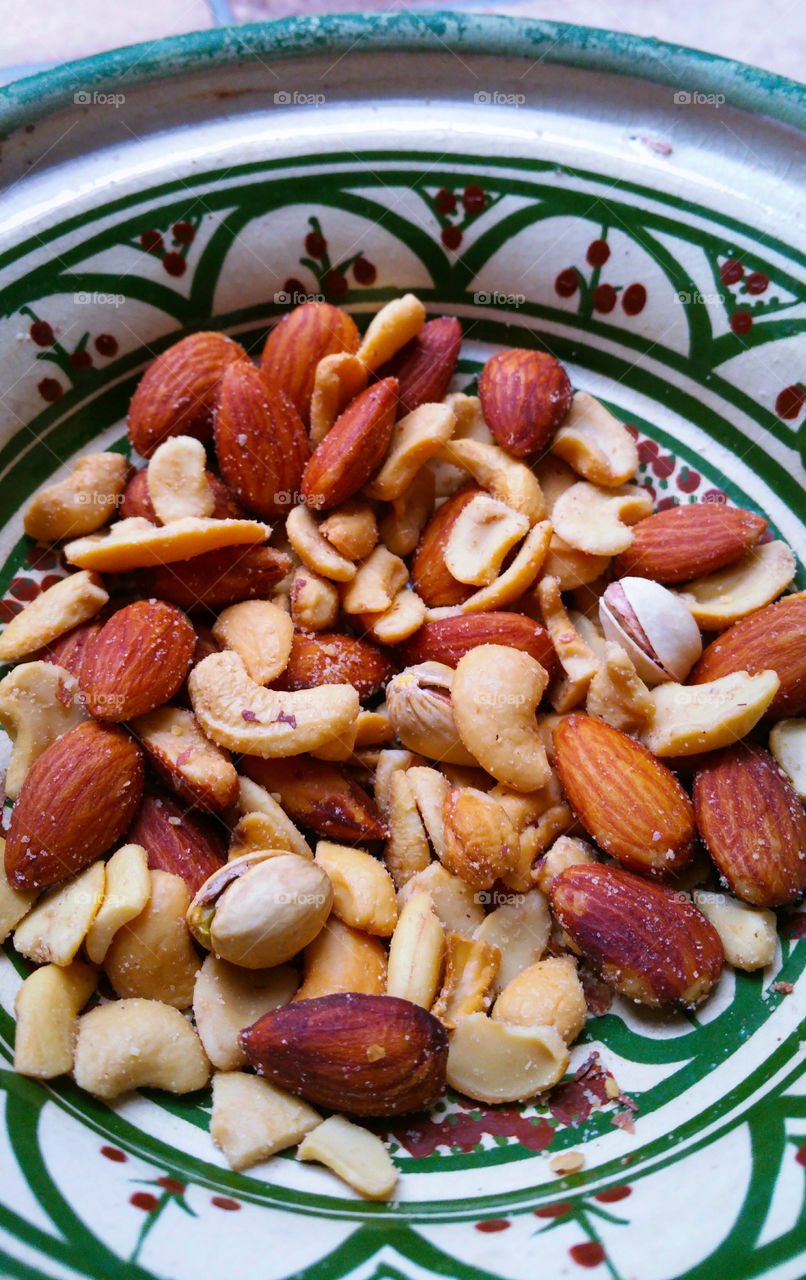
(321, 796)
(137, 661)
(77, 799)
(177, 839)
(684, 542)
(70, 649)
(216, 578)
(331, 658)
(770, 639)
(424, 366)
(524, 397)
(299, 341)
(353, 449)
(449, 639)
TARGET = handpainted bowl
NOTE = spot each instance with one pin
(638, 210)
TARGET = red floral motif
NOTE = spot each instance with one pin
(79, 361)
(566, 283)
(688, 481)
(455, 208)
(757, 282)
(224, 1202)
(144, 1200)
(451, 237)
(331, 278)
(558, 1210)
(633, 299)
(612, 1194)
(731, 271)
(493, 1224)
(598, 253)
(170, 246)
(789, 402)
(741, 322)
(114, 1154)
(604, 298)
(589, 1254)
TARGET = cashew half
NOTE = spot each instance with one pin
(704, 717)
(260, 633)
(505, 478)
(415, 439)
(46, 1007)
(84, 501)
(483, 534)
(496, 692)
(131, 1043)
(177, 480)
(498, 1062)
(227, 998)
(597, 520)
(61, 607)
(39, 701)
(720, 599)
(393, 326)
(339, 378)
(313, 548)
(595, 443)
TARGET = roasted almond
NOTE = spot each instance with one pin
(772, 638)
(630, 803)
(177, 840)
(70, 649)
(77, 799)
(299, 341)
(198, 770)
(353, 449)
(321, 796)
(137, 499)
(649, 942)
(684, 542)
(449, 639)
(754, 825)
(260, 441)
(215, 579)
(331, 658)
(177, 394)
(424, 367)
(432, 579)
(524, 397)
(137, 661)
(364, 1054)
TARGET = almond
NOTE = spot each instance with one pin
(630, 803)
(649, 942)
(177, 394)
(364, 1054)
(321, 796)
(449, 639)
(424, 367)
(260, 441)
(137, 661)
(330, 658)
(193, 766)
(432, 579)
(215, 579)
(771, 638)
(299, 341)
(77, 799)
(137, 499)
(70, 649)
(353, 449)
(684, 542)
(524, 397)
(754, 825)
(177, 840)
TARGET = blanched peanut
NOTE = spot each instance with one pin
(390, 761)
(84, 501)
(407, 850)
(788, 745)
(253, 1119)
(703, 717)
(520, 929)
(137, 544)
(352, 529)
(547, 994)
(416, 953)
(595, 443)
(56, 927)
(415, 439)
(481, 844)
(578, 661)
(598, 520)
(618, 695)
(39, 701)
(483, 534)
(314, 601)
(498, 1062)
(313, 549)
(177, 480)
(363, 892)
(392, 626)
(132, 1043)
(748, 934)
(408, 515)
(720, 599)
(376, 583)
(253, 798)
(567, 851)
(471, 965)
(227, 998)
(152, 956)
(61, 607)
(430, 789)
(496, 691)
(46, 1008)
(339, 379)
(453, 899)
(390, 329)
(343, 959)
(260, 633)
(126, 891)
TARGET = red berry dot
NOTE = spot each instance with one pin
(731, 271)
(757, 282)
(364, 271)
(106, 344)
(81, 360)
(172, 1184)
(553, 1210)
(648, 451)
(151, 241)
(224, 1202)
(788, 404)
(604, 298)
(493, 1224)
(800, 1155)
(598, 253)
(612, 1194)
(473, 199)
(294, 287)
(336, 284)
(24, 588)
(315, 244)
(184, 232)
(41, 333)
(688, 480)
(663, 467)
(115, 1154)
(741, 322)
(633, 300)
(566, 283)
(589, 1254)
(445, 201)
(9, 609)
(451, 237)
(144, 1200)
(50, 580)
(50, 389)
(174, 264)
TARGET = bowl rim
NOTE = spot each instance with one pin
(744, 86)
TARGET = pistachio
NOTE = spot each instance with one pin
(419, 705)
(654, 626)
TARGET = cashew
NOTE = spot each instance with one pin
(749, 935)
(547, 994)
(496, 691)
(503, 476)
(788, 745)
(314, 601)
(405, 615)
(227, 998)
(363, 892)
(618, 695)
(481, 844)
(420, 708)
(554, 477)
(567, 851)
(513, 582)
(47, 1006)
(177, 480)
(194, 766)
(452, 898)
(126, 892)
(390, 762)
(61, 607)
(597, 520)
(252, 799)
(408, 515)
(415, 439)
(14, 903)
(720, 599)
(252, 1119)
(416, 953)
(313, 548)
(520, 929)
(539, 818)
(39, 701)
(243, 716)
(352, 529)
(152, 955)
(407, 851)
(137, 544)
(339, 378)
(376, 583)
(343, 959)
(430, 790)
(470, 425)
(390, 329)
(373, 728)
(83, 502)
(703, 717)
(572, 568)
(56, 927)
(471, 965)
(133, 1043)
(481, 537)
(260, 633)
(595, 443)
(353, 1154)
(495, 1062)
(578, 661)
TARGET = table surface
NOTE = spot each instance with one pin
(768, 33)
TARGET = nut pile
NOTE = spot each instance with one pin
(360, 744)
